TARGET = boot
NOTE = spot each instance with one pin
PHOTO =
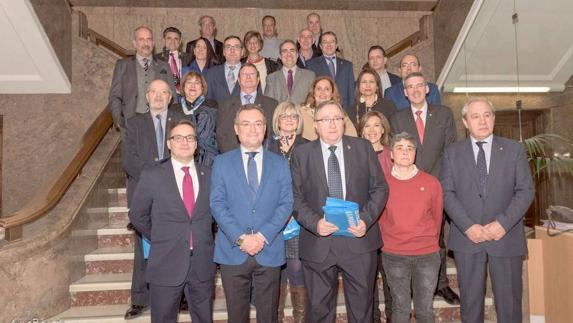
(282, 301)
(298, 298)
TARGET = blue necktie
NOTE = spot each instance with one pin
(334, 176)
(252, 177)
(330, 63)
(482, 167)
(248, 98)
(159, 136)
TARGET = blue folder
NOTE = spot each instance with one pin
(146, 247)
(291, 230)
(342, 214)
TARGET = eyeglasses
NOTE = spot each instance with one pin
(179, 138)
(330, 120)
(285, 116)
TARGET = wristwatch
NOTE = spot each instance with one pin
(239, 241)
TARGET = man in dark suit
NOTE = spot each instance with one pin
(487, 190)
(131, 77)
(222, 79)
(251, 200)
(248, 84)
(434, 128)
(290, 83)
(306, 48)
(208, 30)
(338, 68)
(172, 55)
(313, 24)
(377, 61)
(171, 208)
(410, 64)
(144, 145)
(345, 168)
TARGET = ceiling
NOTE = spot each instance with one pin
(28, 63)
(485, 52)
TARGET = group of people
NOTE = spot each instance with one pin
(228, 142)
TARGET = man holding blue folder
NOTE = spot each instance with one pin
(344, 168)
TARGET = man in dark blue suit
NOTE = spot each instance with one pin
(377, 61)
(171, 208)
(222, 79)
(487, 189)
(410, 64)
(338, 68)
(251, 200)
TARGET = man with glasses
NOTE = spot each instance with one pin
(410, 64)
(251, 200)
(344, 168)
(290, 83)
(248, 94)
(144, 145)
(433, 128)
(171, 209)
(222, 79)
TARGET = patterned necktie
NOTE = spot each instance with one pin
(420, 126)
(330, 63)
(145, 64)
(248, 98)
(159, 136)
(188, 198)
(252, 176)
(482, 167)
(231, 78)
(334, 176)
(290, 82)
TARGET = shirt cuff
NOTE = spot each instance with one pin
(262, 236)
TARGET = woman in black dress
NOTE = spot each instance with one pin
(368, 97)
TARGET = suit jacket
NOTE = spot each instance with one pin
(277, 86)
(226, 137)
(394, 79)
(159, 214)
(439, 131)
(140, 148)
(344, 77)
(365, 185)
(184, 57)
(509, 193)
(396, 94)
(237, 213)
(218, 50)
(217, 84)
(123, 90)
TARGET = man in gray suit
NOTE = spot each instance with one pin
(433, 128)
(487, 189)
(132, 75)
(290, 83)
(171, 209)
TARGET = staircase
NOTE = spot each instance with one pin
(102, 295)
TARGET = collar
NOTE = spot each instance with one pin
(324, 146)
(177, 164)
(163, 113)
(487, 140)
(424, 109)
(140, 58)
(245, 150)
(286, 69)
(396, 175)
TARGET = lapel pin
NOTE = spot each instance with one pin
(422, 188)
(202, 173)
(348, 147)
(500, 148)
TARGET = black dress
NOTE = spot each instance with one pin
(384, 106)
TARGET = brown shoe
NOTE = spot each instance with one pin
(298, 298)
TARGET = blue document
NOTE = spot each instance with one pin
(342, 214)
(146, 247)
(291, 230)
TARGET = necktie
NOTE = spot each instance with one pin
(188, 198)
(252, 177)
(420, 126)
(248, 98)
(231, 78)
(482, 167)
(330, 63)
(334, 176)
(290, 82)
(145, 64)
(159, 136)
(174, 70)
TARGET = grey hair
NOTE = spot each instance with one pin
(474, 100)
(402, 136)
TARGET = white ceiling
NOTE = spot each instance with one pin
(28, 63)
(485, 51)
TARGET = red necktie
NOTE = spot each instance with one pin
(420, 126)
(174, 69)
(188, 198)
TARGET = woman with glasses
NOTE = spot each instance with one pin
(254, 44)
(287, 127)
(322, 89)
(202, 112)
(368, 97)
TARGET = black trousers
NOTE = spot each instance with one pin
(237, 285)
(139, 287)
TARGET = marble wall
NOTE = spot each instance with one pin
(357, 30)
(42, 132)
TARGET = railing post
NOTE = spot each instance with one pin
(13, 233)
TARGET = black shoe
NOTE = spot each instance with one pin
(183, 306)
(130, 227)
(134, 311)
(448, 295)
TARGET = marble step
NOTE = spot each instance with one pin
(117, 196)
(117, 216)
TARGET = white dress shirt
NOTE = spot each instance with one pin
(179, 174)
(258, 159)
(486, 149)
(340, 156)
(424, 112)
